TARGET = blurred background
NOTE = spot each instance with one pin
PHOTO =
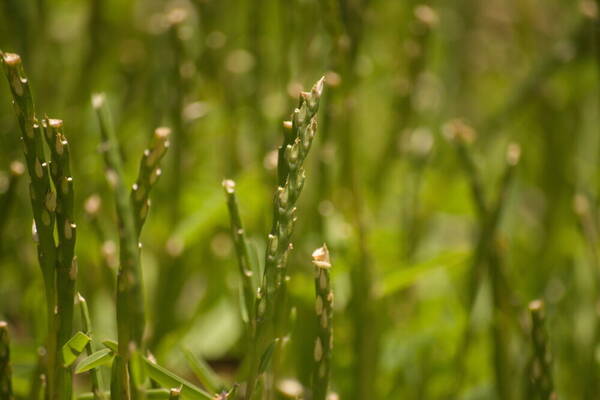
(431, 298)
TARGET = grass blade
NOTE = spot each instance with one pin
(95, 360)
(168, 379)
(205, 374)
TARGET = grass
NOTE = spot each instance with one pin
(463, 268)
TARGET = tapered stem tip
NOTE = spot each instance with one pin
(93, 204)
(55, 123)
(318, 88)
(17, 168)
(536, 306)
(79, 298)
(11, 59)
(513, 154)
(321, 257)
(457, 130)
(229, 186)
(98, 100)
(162, 132)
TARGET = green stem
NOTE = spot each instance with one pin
(148, 174)
(7, 198)
(66, 270)
(241, 248)
(43, 200)
(589, 228)
(205, 374)
(174, 394)
(130, 301)
(324, 313)
(270, 310)
(151, 394)
(6, 392)
(87, 327)
(541, 362)
(487, 256)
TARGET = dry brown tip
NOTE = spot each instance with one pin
(320, 257)
(581, 204)
(92, 204)
(588, 8)
(12, 59)
(55, 123)
(458, 130)
(17, 168)
(79, 298)
(177, 15)
(513, 154)
(536, 305)
(426, 15)
(229, 186)
(98, 100)
(318, 88)
(290, 388)
(162, 132)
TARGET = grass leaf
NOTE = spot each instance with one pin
(167, 379)
(205, 374)
(95, 360)
(73, 348)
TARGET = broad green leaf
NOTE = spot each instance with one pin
(205, 374)
(167, 379)
(73, 348)
(95, 360)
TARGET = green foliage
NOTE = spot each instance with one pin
(169, 379)
(95, 360)
(73, 348)
(441, 228)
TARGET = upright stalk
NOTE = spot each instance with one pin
(130, 301)
(588, 225)
(270, 309)
(241, 249)
(324, 313)
(541, 362)
(51, 192)
(97, 384)
(148, 174)
(132, 211)
(346, 22)
(7, 198)
(6, 392)
(487, 258)
(66, 270)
